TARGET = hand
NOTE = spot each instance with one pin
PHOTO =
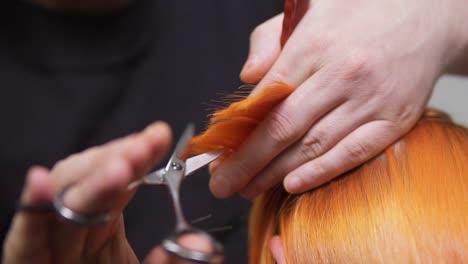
(100, 176)
(194, 242)
(364, 71)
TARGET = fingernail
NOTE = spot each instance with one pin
(219, 186)
(293, 183)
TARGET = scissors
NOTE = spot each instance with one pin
(171, 176)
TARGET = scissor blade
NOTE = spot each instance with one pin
(188, 134)
(192, 164)
(196, 162)
(184, 139)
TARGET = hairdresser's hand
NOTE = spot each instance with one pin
(192, 242)
(101, 176)
(364, 71)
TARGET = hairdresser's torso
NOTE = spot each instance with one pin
(73, 81)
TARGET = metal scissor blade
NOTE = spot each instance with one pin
(154, 178)
(176, 167)
(196, 162)
(184, 139)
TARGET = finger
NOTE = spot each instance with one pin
(294, 10)
(136, 148)
(323, 135)
(151, 149)
(264, 50)
(80, 165)
(106, 186)
(158, 256)
(103, 186)
(213, 166)
(301, 57)
(161, 256)
(361, 145)
(191, 242)
(26, 241)
(282, 127)
(197, 243)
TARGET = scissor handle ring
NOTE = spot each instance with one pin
(75, 217)
(170, 245)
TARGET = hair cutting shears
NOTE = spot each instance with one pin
(171, 176)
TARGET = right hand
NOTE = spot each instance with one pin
(100, 176)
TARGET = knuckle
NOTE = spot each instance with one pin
(320, 168)
(358, 66)
(259, 31)
(407, 115)
(357, 151)
(279, 127)
(61, 171)
(318, 46)
(278, 74)
(61, 165)
(399, 119)
(313, 144)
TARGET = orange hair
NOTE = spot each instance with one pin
(230, 126)
(407, 205)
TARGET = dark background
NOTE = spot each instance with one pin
(69, 82)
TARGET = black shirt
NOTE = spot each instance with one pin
(69, 82)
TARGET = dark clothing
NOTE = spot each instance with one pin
(69, 82)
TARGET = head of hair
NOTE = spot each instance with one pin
(407, 205)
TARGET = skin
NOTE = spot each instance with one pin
(364, 72)
(192, 242)
(277, 250)
(100, 176)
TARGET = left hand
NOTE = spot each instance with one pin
(364, 71)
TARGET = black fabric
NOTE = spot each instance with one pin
(69, 82)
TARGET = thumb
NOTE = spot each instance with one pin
(26, 241)
(265, 48)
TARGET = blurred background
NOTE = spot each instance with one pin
(451, 95)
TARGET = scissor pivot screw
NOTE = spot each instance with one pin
(176, 166)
